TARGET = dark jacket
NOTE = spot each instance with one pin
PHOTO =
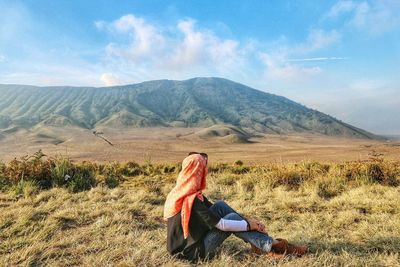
(201, 221)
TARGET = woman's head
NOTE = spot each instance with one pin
(204, 155)
(194, 168)
(191, 181)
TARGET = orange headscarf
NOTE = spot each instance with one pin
(190, 183)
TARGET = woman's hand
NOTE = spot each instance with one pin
(256, 226)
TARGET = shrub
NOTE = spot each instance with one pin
(25, 188)
(62, 171)
(316, 168)
(330, 187)
(2, 168)
(131, 169)
(355, 171)
(82, 179)
(379, 172)
(32, 168)
(111, 181)
(240, 169)
(112, 174)
(219, 167)
(4, 183)
(169, 169)
(375, 173)
(238, 163)
(289, 177)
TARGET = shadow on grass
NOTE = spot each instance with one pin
(384, 245)
(377, 245)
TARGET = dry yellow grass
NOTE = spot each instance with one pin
(348, 213)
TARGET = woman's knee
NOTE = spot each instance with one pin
(221, 208)
(220, 203)
(233, 216)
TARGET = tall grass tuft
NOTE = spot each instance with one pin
(112, 173)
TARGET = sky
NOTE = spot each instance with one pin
(340, 57)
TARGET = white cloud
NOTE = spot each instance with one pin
(278, 68)
(318, 39)
(341, 7)
(180, 51)
(2, 58)
(280, 64)
(201, 48)
(375, 17)
(191, 50)
(100, 24)
(144, 50)
(144, 38)
(110, 79)
(316, 59)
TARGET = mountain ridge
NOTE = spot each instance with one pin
(196, 102)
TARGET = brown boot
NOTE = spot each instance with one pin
(271, 254)
(284, 247)
(256, 250)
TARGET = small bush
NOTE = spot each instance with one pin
(355, 172)
(112, 174)
(238, 163)
(131, 169)
(290, 178)
(4, 183)
(62, 171)
(111, 181)
(82, 179)
(169, 169)
(25, 188)
(30, 168)
(329, 188)
(218, 168)
(379, 172)
(240, 169)
(375, 173)
(227, 180)
(2, 168)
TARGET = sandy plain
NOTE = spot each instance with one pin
(172, 144)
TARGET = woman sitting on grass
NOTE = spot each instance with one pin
(196, 227)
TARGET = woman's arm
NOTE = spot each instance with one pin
(239, 226)
(233, 225)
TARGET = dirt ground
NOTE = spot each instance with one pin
(172, 144)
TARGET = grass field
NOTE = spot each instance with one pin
(348, 213)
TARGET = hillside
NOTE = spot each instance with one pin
(225, 133)
(198, 102)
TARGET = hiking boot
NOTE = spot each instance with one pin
(284, 247)
(256, 250)
(270, 254)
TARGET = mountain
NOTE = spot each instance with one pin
(197, 102)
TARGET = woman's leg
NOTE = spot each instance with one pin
(260, 240)
(222, 209)
(213, 240)
(216, 237)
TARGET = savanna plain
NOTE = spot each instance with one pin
(78, 200)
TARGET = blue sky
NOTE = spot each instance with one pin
(340, 57)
